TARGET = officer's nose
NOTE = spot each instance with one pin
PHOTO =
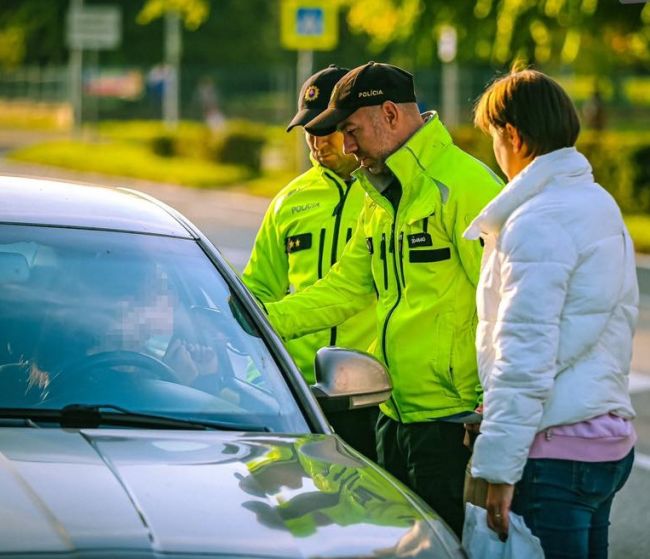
(349, 145)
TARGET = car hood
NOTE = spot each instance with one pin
(181, 493)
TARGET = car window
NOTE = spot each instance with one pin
(139, 321)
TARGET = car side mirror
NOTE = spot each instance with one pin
(349, 379)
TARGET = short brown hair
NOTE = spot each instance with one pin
(535, 105)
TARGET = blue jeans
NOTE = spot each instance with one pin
(566, 504)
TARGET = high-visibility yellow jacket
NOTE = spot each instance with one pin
(425, 274)
(304, 232)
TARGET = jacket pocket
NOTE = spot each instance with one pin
(384, 259)
(442, 363)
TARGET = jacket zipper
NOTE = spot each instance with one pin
(338, 214)
(401, 257)
(384, 259)
(321, 250)
(390, 312)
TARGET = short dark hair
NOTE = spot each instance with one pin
(535, 105)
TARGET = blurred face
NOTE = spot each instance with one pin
(328, 151)
(140, 321)
(368, 136)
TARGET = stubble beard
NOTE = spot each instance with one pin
(383, 145)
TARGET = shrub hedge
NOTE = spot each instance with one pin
(237, 143)
(620, 162)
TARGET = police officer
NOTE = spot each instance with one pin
(423, 191)
(303, 234)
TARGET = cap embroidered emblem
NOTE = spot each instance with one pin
(312, 93)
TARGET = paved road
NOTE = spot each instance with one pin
(230, 219)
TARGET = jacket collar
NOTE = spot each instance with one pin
(326, 171)
(409, 161)
(565, 165)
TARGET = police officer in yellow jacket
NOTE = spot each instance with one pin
(304, 232)
(423, 191)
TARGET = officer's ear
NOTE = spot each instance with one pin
(390, 113)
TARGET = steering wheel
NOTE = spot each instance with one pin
(111, 360)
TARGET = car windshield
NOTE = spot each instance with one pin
(139, 322)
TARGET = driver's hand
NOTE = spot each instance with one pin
(191, 360)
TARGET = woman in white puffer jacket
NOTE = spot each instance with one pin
(557, 303)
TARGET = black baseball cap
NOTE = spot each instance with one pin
(365, 86)
(315, 94)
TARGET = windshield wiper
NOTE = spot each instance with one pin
(79, 416)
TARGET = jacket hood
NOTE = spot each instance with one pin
(565, 164)
(198, 493)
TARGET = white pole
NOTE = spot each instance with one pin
(447, 54)
(172, 68)
(304, 69)
(75, 68)
(450, 108)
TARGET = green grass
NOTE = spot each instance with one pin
(27, 115)
(131, 160)
(269, 184)
(639, 228)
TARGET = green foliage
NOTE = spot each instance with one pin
(639, 228)
(12, 46)
(620, 161)
(193, 12)
(163, 145)
(23, 115)
(240, 144)
(132, 160)
(595, 33)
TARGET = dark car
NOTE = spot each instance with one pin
(147, 409)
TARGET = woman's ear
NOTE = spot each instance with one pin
(515, 139)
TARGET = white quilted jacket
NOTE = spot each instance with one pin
(557, 304)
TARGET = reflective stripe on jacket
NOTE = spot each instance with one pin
(304, 232)
(424, 272)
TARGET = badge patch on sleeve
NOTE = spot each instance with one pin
(298, 242)
(419, 240)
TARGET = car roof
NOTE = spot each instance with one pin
(41, 201)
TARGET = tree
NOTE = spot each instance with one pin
(547, 32)
(193, 12)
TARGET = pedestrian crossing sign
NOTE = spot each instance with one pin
(309, 24)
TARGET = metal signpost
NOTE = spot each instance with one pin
(306, 26)
(97, 27)
(447, 42)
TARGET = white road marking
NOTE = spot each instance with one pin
(639, 382)
(642, 461)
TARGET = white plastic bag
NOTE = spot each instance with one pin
(480, 542)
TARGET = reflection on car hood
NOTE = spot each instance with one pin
(145, 492)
